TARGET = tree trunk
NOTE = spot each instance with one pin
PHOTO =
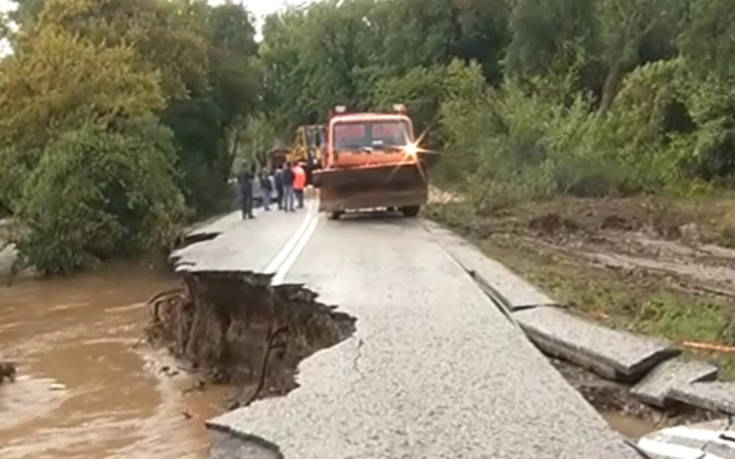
(612, 86)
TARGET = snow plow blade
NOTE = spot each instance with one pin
(371, 187)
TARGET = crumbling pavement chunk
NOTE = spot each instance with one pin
(714, 396)
(656, 387)
(610, 353)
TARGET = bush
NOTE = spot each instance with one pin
(99, 193)
(533, 138)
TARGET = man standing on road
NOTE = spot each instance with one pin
(299, 183)
(266, 189)
(245, 184)
(288, 181)
(278, 179)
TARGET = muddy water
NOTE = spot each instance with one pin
(87, 388)
(629, 426)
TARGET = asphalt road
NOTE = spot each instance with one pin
(434, 370)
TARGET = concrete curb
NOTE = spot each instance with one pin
(612, 354)
(659, 385)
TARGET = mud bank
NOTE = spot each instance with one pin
(235, 327)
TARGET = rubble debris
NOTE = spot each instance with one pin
(8, 371)
(552, 224)
(656, 387)
(616, 222)
(610, 353)
(706, 440)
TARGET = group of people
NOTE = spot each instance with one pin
(288, 181)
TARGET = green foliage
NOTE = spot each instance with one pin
(97, 194)
(482, 33)
(59, 84)
(707, 43)
(530, 143)
(27, 10)
(254, 142)
(123, 107)
(709, 54)
(160, 31)
(423, 90)
(543, 32)
(359, 52)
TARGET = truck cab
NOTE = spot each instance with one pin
(371, 162)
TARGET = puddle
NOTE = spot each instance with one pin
(631, 427)
(110, 399)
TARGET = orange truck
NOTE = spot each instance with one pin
(372, 161)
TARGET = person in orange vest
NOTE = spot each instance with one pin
(299, 183)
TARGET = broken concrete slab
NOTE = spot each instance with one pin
(610, 353)
(715, 396)
(712, 439)
(656, 387)
(515, 291)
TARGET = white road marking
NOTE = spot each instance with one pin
(296, 252)
(286, 249)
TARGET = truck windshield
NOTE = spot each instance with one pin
(376, 135)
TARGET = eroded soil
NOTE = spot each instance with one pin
(686, 243)
(235, 327)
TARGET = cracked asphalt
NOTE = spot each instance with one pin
(434, 370)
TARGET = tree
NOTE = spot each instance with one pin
(482, 33)
(97, 194)
(625, 26)
(160, 31)
(543, 32)
(707, 42)
(348, 47)
(209, 123)
(26, 11)
(709, 55)
(254, 142)
(60, 83)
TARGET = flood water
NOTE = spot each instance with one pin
(86, 386)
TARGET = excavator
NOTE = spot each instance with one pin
(307, 147)
(372, 161)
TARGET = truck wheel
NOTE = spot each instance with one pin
(335, 215)
(410, 211)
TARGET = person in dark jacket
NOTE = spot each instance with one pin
(266, 189)
(288, 193)
(245, 184)
(278, 179)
